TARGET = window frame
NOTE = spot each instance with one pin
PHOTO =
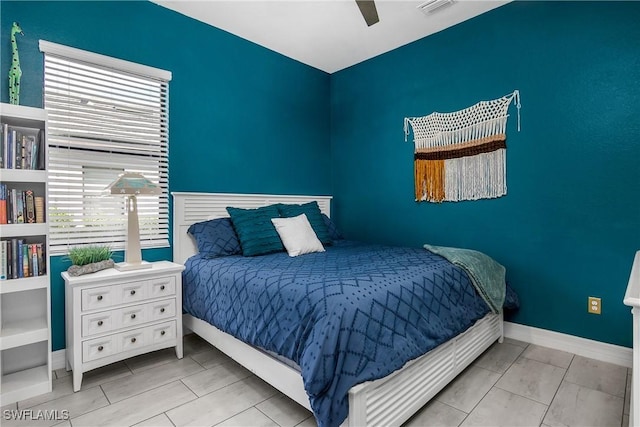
(152, 153)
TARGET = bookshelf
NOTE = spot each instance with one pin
(25, 299)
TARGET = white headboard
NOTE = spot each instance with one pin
(189, 208)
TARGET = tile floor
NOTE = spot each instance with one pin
(511, 384)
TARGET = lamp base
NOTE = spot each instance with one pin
(127, 266)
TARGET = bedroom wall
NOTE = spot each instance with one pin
(570, 224)
(238, 112)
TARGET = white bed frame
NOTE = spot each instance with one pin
(387, 401)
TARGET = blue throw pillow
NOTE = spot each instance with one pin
(215, 238)
(255, 230)
(331, 228)
(314, 215)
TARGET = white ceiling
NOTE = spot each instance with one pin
(327, 34)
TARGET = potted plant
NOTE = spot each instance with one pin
(89, 259)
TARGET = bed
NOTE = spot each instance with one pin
(387, 400)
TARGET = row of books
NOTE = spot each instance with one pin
(21, 148)
(20, 207)
(20, 259)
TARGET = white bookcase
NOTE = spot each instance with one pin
(25, 302)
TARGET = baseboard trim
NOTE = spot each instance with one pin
(605, 352)
(57, 359)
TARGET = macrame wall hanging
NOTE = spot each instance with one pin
(462, 155)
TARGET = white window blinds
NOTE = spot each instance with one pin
(106, 116)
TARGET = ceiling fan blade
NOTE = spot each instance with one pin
(369, 11)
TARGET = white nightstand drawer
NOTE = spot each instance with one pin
(94, 298)
(132, 340)
(97, 323)
(162, 309)
(132, 316)
(163, 286)
(163, 332)
(98, 348)
(133, 291)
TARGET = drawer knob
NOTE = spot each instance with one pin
(100, 322)
(100, 348)
(133, 316)
(162, 288)
(133, 339)
(133, 292)
(99, 297)
(163, 332)
(162, 310)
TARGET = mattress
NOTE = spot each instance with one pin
(353, 313)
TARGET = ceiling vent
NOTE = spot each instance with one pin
(432, 6)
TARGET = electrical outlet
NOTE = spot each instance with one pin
(595, 305)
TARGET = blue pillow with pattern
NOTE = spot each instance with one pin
(314, 215)
(255, 230)
(215, 238)
(332, 229)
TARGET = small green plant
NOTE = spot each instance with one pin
(83, 255)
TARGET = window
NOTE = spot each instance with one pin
(106, 116)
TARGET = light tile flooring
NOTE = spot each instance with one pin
(512, 384)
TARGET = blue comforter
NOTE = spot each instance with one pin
(354, 313)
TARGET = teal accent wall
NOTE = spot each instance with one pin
(242, 118)
(570, 224)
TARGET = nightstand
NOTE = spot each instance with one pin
(113, 315)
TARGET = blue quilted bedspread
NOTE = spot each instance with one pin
(354, 313)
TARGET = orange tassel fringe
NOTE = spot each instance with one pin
(429, 180)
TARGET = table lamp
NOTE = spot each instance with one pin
(131, 185)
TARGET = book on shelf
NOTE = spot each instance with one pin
(39, 208)
(34, 260)
(20, 151)
(3, 260)
(18, 199)
(27, 265)
(20, 259)
(40, 162)
(19, 264)
(42, 266)
(6, 151)
(21, 147)
(13, 204)
(29, 208)
(3, 204)
(14, 258)
(20, 207)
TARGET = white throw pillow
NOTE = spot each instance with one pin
(297, 235)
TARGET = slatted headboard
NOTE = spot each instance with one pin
(189, 208)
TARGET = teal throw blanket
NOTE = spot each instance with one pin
(485, 273)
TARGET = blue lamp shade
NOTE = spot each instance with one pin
(131, 185)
